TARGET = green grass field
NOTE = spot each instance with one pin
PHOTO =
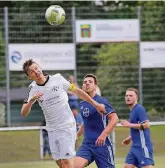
(160, 163)
(21, 149)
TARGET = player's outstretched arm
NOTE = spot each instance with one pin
(84, 96)
(26, 108)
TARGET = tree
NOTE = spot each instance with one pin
(117, 70)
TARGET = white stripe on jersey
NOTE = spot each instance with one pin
(54, 102)
(111, 155)
(142, 139)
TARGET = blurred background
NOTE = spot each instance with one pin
(119, 58)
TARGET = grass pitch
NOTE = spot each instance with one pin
(21, 149)
(160, 163)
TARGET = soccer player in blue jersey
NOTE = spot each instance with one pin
(141, 152)
(96, 127)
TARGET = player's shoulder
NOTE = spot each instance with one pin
(100, 99)
(82, 102)
(57, 75)
(32, 85)
(139, 107)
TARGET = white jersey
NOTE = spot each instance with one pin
(54, 101)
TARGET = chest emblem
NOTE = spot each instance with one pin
(86, 112)
(55, 88)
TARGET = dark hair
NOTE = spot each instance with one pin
(133, 89)
(93, 76)
(26, 65)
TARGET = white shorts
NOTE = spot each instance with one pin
(62, 143)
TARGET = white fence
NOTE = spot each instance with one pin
(40, 128)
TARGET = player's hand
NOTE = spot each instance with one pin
(36, 97)
(101, 108)
(101, 139)
(125, 123)
(126, 141)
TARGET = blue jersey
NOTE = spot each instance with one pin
(140, 138)
(94, 122)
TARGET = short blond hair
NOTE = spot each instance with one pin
(133, 89)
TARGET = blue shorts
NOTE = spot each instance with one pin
(140, 157)
(102, 155)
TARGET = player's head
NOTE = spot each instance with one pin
(89, 83)
(32, 69)
(131, 96)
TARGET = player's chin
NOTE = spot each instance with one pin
(38, 75)
(88, 90)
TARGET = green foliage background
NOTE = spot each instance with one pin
(116, 65)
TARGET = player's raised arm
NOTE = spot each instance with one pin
(84, 96)
(26, 108)
(80, 93)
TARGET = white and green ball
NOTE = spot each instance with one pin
(55, 15)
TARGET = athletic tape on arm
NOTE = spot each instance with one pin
(72, 87)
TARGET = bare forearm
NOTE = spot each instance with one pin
(140, 126)
(84, 96)
(26, 108)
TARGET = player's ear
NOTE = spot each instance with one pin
(137, 97)
(95, 87)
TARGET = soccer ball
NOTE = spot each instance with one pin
(55, 15)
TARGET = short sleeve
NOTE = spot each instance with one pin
(141, 114)
(29, 94)
(108, 107)
(65, 83)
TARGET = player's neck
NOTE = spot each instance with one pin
(41, 80)
(131, 106)
(92, 94)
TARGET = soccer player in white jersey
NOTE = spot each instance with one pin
(51, 94)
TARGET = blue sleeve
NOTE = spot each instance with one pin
(108, 107)
(142, 114)
(79, 119)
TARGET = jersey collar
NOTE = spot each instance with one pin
(44, 82)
